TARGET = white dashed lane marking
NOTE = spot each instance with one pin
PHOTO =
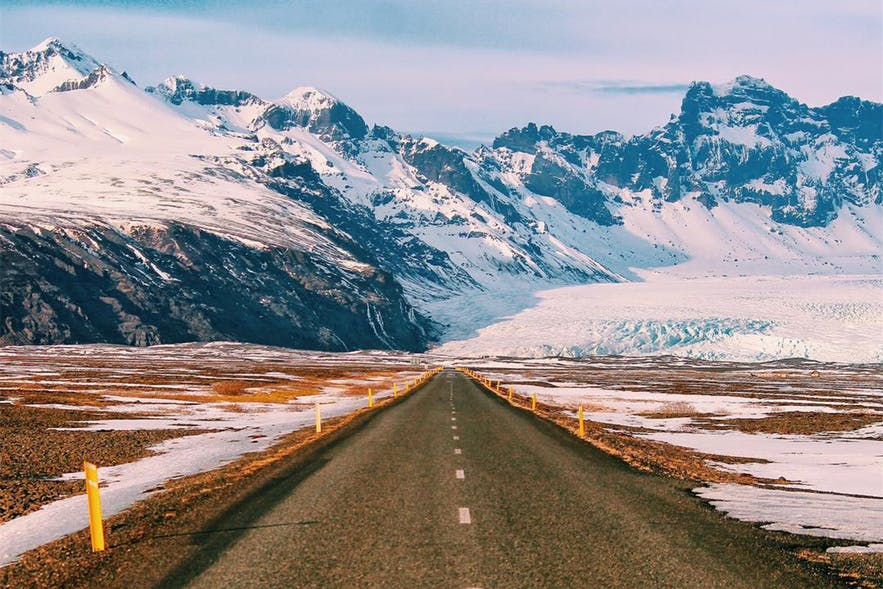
(456, 437)
(458, 451)
(465, 517)
(460, 474)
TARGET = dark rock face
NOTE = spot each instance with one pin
(88, 285)
(855, 121)
(526, 139)
(447, 165)
(96, 77)
(180, 90)
(333, 121)
(550, 178)
(443, 164)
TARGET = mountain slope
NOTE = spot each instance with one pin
(122, 221)
(294, 221)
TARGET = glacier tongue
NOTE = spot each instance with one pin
(749, 318)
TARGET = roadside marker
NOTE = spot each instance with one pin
(370, 398)
(533, 402)
(395, 390)
(96, 528)
(318, 419)
(465, 517)
(582, 423)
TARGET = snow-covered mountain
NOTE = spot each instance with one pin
(182, 211)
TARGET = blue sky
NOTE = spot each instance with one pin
(473, 68)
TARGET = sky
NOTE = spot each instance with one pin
(466, 70)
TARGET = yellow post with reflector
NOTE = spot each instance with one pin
(395, 390)
(582, 422)
(370, 398)
(511, 392)
(318, 419)
(533, 402)
(96, 528)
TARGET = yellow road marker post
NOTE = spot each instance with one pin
(318, 418)
(582, 422)
(533, 402)
(96, 528)
(370, 398)
(511, 392)
(395, 390)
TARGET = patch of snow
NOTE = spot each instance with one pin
(814, 514)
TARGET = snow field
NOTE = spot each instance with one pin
(742, 318)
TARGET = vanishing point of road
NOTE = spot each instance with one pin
(453, 488)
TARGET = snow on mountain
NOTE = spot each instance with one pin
(46, 67)
(744, 180)
(124, 221)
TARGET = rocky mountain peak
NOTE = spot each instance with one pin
(320, 113)
(178, 89)
(525, 138)
(310, 98)
(46, 66)
(856, 120)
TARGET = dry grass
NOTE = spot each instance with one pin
(799, 422)
(32, 452)
(673, 409)
(227, 388)
(862, 571)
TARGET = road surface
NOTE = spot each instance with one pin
(453, 488)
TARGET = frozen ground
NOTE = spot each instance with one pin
(184, 397)
(743, 318)
(815, 428)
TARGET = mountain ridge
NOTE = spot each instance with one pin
(745, 177)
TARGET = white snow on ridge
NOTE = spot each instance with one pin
(55, 69)
(117, 156)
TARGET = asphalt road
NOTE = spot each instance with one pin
(453, 488)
